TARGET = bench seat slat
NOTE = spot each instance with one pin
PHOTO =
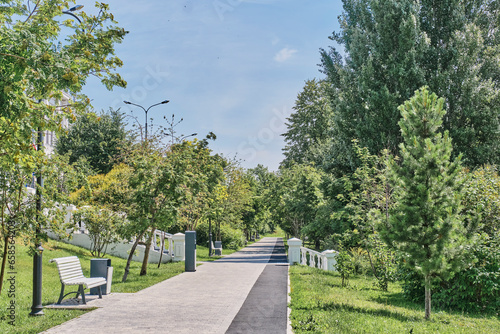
(70, 271)
(88, 282)
(69, 265)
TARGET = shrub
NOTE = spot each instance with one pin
(481, 198)
(359, 260)
(475, 288)
(345, 265)
(102, 225)
(383, 262)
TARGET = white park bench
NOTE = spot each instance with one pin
(70, 273)
(217, 250)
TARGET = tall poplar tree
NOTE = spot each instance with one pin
(308, 126)
(393, 48)
(425, 224)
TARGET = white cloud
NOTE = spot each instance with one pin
(284, 54)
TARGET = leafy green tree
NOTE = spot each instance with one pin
(367, 199)
(308, 126)
(481, 199)
(102, 225)
(425, 224)
(98, 139)
(19, 211)
(233, 198)
(103, 200)
(157, 187)
(393, 48)
(259, 218)
(37, 63)
(297, 197)
(205, 172)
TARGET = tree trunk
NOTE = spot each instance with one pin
(162, 248)
(144, 269)
(132, 251)
(4, 260)
(427, 297)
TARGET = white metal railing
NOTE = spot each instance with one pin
(315, 259)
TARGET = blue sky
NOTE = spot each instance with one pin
(232, 67)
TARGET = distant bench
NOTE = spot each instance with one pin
(70, 273)
(218, 248)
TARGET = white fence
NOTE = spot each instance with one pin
(308, 257)
(162, 243)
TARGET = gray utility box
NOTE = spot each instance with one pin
(190, 253)
(218, 248)
(101, 268)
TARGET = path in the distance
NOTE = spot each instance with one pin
(245, 292)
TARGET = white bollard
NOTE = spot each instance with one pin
(179, 247)
(331, 261)
(294, 245)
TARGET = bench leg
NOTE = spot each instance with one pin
(61, 296)
(100, 292)
(80, 289)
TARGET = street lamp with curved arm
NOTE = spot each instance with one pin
(191, 135)
(73, 9)
(146, 111)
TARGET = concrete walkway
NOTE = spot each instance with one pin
(244, 292)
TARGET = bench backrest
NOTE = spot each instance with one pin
(69, 268)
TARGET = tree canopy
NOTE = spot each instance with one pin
(98, 139)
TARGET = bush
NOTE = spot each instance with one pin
(345, 265)
(383, 261)
(231, 238)
(360, 260)
(481, 198)
(102, 225)
(475, 288)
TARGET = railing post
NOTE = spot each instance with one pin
(179, 247)
(303, 256)
(331, 261)
(294, 245)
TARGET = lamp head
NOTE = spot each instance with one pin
(165, 102)
(126, 102)
(77, 7)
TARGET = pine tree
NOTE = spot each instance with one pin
(424, 225)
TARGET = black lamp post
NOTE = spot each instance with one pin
(146, 111)
(210, 237)
(37, 307)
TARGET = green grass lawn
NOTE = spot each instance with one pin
(320, 305)
(51, 285)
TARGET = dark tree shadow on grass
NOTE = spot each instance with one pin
(335, 307)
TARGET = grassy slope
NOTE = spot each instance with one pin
(51, 285)
(320, 305)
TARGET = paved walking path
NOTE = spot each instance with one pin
(245, 292)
